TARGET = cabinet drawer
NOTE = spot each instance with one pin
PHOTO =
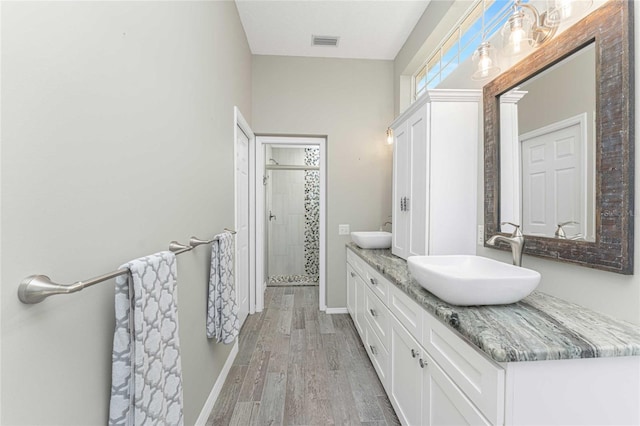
(378, 354)
(479, 378)
(356, 263)
(378, 316)
(408, 312)
(377, 283)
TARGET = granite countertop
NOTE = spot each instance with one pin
(539, 327)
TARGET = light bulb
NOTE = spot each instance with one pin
(516, 38)
(484, 60)
(485, 65)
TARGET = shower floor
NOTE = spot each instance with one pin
(291, 280)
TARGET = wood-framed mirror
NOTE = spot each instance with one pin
(602, 211)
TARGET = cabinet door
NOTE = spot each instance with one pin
(418, 196)
(443, 402)
(400, 221)
(405, 385)
(351, 291)
(453, 187)
(359, 306)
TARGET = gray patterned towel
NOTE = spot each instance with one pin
(222, 308)
(146, 384)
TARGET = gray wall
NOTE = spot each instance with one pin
(350, 101)
(434, 24)
(117, 137)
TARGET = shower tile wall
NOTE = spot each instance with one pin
(286, 237)
(312, 214)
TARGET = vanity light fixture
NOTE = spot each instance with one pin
(485, 62)
(564, 10)
(524, 31)
(389, 136)
(519, 29)
(516, 34)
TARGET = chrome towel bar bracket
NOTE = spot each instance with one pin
(36, 288)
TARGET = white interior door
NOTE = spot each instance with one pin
(242, 224)
(553, 190)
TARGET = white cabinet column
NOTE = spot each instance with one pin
(435, 174)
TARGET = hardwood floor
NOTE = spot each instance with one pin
(299, 366)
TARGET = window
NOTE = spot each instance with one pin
(485, 17)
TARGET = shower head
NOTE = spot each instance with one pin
(274, 161)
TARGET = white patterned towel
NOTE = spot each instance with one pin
(146, 384)
(222, 308)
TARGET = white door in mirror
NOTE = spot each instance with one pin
(472, 280)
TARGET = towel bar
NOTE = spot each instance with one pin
(36, 288)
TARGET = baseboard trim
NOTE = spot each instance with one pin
(217, 387)
(337, 311)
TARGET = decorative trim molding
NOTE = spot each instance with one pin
(331, 311)
(217, 387)
(439, 95)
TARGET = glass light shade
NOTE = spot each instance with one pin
(564, 10)
(517, 34)
(485, 62)
(389, 136)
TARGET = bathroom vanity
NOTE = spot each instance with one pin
(539, 361)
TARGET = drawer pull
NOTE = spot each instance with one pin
(373, 313)
(353, 274)
(422, 363)
(373, 281)
(414, 353)
(373, 350)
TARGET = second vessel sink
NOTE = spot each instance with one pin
(472, 280)
(372, 240)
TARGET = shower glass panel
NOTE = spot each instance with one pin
(292, 215)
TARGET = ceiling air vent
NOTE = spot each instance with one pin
(324, 41)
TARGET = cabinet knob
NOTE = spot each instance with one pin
(373, 313)
(353, 274)
(373, 281)
(422, 363)
(414, 353)
(373, 350)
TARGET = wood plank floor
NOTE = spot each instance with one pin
(299, 366)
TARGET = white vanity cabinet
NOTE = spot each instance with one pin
(435, 174)
(434, 376)
(392, 328)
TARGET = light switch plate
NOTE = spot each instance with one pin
(343, 229)
(480, 235)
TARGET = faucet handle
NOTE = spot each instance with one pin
(560, 231)
(516, 231)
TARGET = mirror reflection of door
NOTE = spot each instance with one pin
(547, 151)
(553, 179)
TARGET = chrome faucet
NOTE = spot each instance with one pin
(385, 224)
(516, 240)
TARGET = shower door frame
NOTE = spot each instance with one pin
(293, 142)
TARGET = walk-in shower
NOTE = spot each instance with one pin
(292, 200)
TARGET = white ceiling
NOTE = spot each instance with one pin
(368, 29)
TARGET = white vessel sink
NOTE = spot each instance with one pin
(472, 280)
(372, 240)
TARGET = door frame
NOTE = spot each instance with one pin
(240, 122)
(293, 141)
